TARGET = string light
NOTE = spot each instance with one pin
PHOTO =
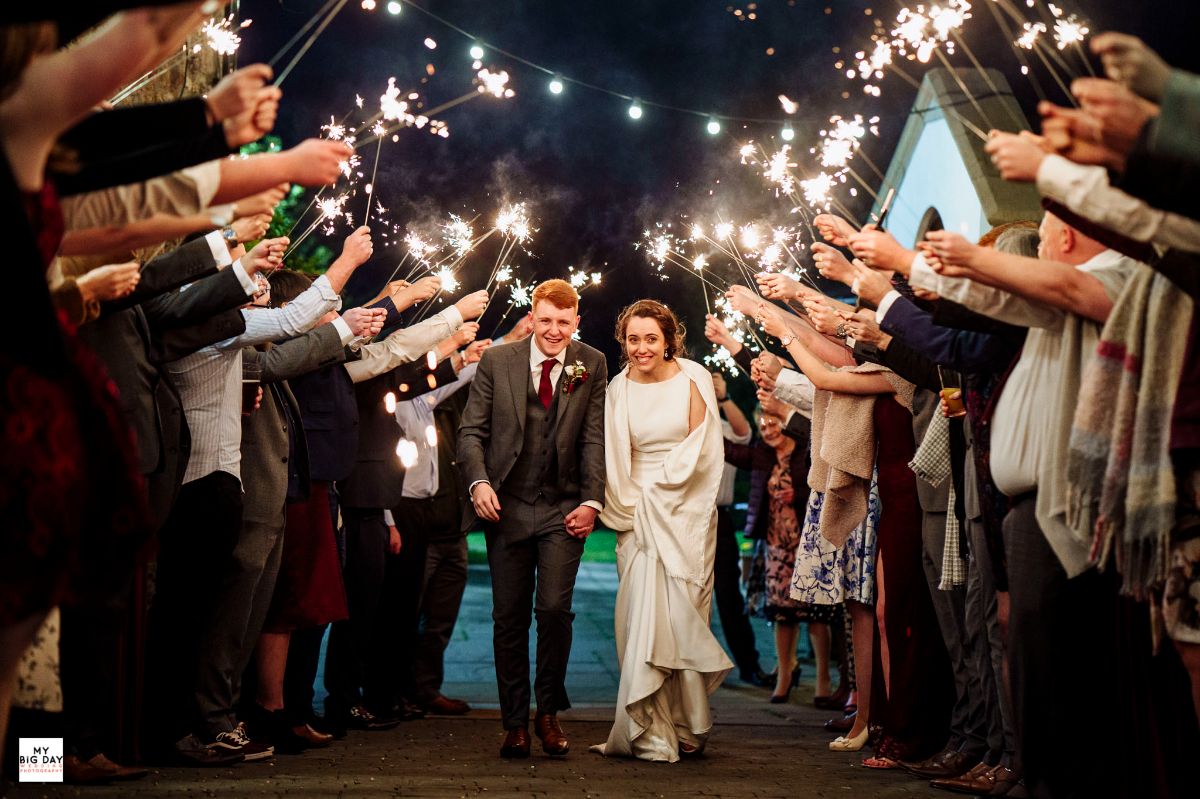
(556, 85)
(394, 8)
(477, 52)
(635, 110)
(713, 127)
(787, 133)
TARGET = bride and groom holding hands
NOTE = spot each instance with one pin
(546, 447)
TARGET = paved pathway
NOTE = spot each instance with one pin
(756, 749)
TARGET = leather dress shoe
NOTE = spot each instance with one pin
(758, 678)
(77, 772)
(554, 740)
(516, 743)
(978, 781)
(116, 771)
(946, 763)
(445, 706)
(313, 738)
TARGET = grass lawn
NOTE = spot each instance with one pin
(601, 547)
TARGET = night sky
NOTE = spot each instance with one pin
(593, 178)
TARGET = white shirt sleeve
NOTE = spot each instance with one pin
(343, 330)
(219, 249)
(987, 300)
(885, 305)
(297, 317)
(248, 283)
(403, 346)
(388, 519)
(1086, 191)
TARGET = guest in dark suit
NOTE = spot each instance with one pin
(531, 450)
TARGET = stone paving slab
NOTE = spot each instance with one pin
(756, 749)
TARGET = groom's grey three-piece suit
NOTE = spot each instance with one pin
(542, 463)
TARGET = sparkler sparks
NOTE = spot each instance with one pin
(334, 130)
(513, 220)
(817, 190)
(494, 83)
(448, 278)
(459, 235)
(1029, 38)
(220, 35)
(390, 104)
(1069, 31)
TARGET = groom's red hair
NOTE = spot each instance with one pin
(557, 292)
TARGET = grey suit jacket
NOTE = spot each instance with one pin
(493, 424)
(266, 464)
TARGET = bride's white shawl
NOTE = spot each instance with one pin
(680, 506)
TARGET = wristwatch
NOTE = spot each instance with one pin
(841, 331)
(230, 236)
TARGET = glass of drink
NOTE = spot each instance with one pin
(952, 392)
(251, 382)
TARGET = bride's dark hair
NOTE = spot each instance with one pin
(672, 329)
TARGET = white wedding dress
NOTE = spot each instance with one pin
(661, 499)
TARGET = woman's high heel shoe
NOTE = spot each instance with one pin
(844, 744)
(781, 699)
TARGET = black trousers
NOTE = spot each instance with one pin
(731, 605)
(441, 598)
(195, 549)
(533, 562)
(1062, 648)
(351, 642)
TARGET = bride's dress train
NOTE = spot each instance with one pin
(662, 485)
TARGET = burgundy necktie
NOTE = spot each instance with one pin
(545, 390)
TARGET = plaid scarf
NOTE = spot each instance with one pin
(931, 463)
(1121, 485)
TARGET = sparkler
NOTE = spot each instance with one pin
(337, 6)
(219, 36)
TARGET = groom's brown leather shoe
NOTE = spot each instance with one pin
(554, 740)
(516, 743)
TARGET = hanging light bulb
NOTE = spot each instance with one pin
(787, 133)
(713, 127)
(635, 110)
(476, 52)
(556, 85)
(394, 8)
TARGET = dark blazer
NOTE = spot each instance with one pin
(136, 143)
(268, 458)
(759, 459)
(329, 411)
(964, 350)
(377, 477)
(174, 268)
(493, 425)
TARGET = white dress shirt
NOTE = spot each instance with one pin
(987, 300)
(729, 476)
(415, 416)
(209, 380)
(535, 365)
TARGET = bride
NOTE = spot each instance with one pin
(664, 461)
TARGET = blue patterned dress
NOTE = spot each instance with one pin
(829, 575)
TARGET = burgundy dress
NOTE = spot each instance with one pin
(309, 591)
(72, 505)
(915, 718)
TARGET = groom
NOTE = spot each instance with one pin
(531, 449)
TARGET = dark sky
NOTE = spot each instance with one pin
(594, 178)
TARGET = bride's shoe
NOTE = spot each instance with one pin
(844, 744)
(686, 750)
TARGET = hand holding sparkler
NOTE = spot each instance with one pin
(1073, 134)
(465, 334)
(1129, 61)
(772, 405)
(521, 330)
(318, 162)
(474, 351)
(716, 332)
(1121, 114)
(365, 322)
(743, 300)
(769, 365)
(267, 256)
(878, 249)
(473, 305)
(110, 282)
(824, 318)
(861, 326)
(831, 263)
(358, 248)
(244, 105)
(955, 256)
(1017, 156)
(869, 284)
(410, 294)
(251, 228)
(262, 203)
(771, 320)
(778, 286)
(834, 229)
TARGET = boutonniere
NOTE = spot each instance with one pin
(576, 375)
